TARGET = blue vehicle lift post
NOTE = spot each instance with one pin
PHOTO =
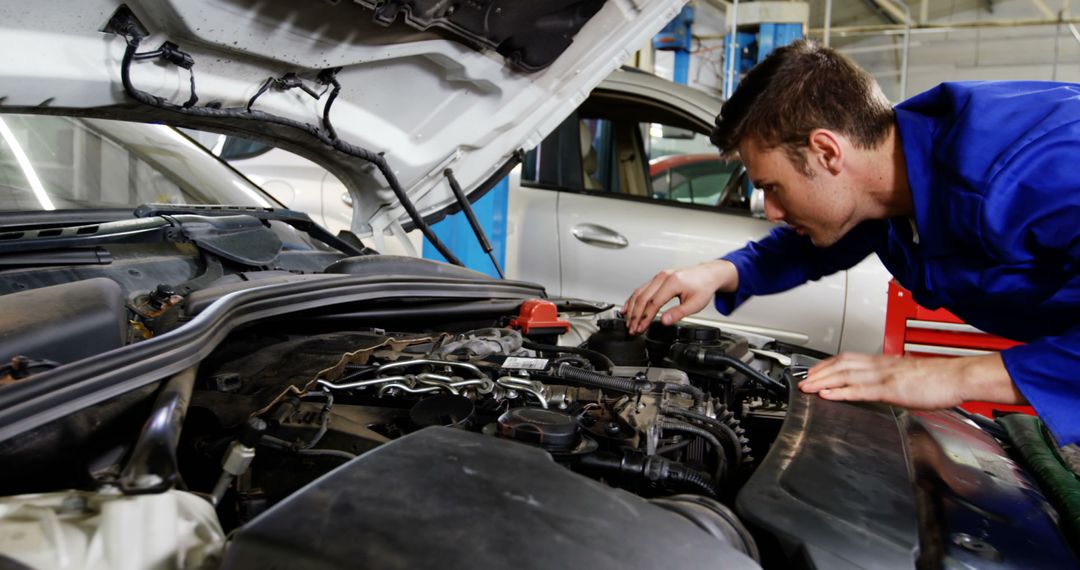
(676, 37)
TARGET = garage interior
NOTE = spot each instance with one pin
(235, 334)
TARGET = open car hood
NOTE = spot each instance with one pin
(429, 85)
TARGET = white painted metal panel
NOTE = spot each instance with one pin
(673, 237)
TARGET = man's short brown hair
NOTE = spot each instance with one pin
(796, 89)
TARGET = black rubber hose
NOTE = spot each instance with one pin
(598, 360)
(687, 477)
(281, 444)
(572, 359)
(594, 380)
(727, 431)
(652, 468)
(712, 357)
(718, 448)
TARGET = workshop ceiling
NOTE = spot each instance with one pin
(872, 12)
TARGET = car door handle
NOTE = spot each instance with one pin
(600, 236)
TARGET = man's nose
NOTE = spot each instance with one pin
(773, 211)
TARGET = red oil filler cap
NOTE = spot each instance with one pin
(539, 317)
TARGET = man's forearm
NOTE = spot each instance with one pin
(984, 378)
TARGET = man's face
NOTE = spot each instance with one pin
(819, 206)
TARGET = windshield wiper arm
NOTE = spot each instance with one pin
(298, 220)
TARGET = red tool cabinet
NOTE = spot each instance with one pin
(914, 330)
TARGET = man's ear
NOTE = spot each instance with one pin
(826, 150)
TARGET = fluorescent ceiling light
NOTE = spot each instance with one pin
(26, 166)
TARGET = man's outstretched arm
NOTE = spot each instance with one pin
(776, 263)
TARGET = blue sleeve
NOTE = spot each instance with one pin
(1045, 373)
(784, 259)
(1033, 212)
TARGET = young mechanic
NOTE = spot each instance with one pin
(969, 194)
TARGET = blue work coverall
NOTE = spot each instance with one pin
(994, 171)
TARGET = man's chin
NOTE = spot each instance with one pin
(815, 237)
(822, 241)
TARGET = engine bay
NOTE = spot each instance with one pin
(683, 411)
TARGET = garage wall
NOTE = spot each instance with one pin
(1012, 53)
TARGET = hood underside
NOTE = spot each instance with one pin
(427, 85)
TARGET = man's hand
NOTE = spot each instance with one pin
(919, 383)
(694, 286)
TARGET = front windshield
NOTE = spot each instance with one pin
(62, 163)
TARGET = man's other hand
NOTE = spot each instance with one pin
(918, 383)
(694, 287)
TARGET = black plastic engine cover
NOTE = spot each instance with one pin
(529, 34)
(447, 498)
(871, 486)
(63, 323)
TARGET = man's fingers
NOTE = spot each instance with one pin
(636, 304)
(855, 393)
(842, 361)
(846, 365)
(650, 308)
(675, 314)
(668, 290)
(656, 294)
(687, 306)
(691, 285)
(642, 321)
(840, 378)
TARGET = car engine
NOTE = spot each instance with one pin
(676, 418)
(661, 416)
(645, 428)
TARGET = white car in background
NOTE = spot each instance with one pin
(630, 184)
(626, 186)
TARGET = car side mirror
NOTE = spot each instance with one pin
(757, 203)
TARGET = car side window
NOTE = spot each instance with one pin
(685, 167)
(611, 157)
(609, 149)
